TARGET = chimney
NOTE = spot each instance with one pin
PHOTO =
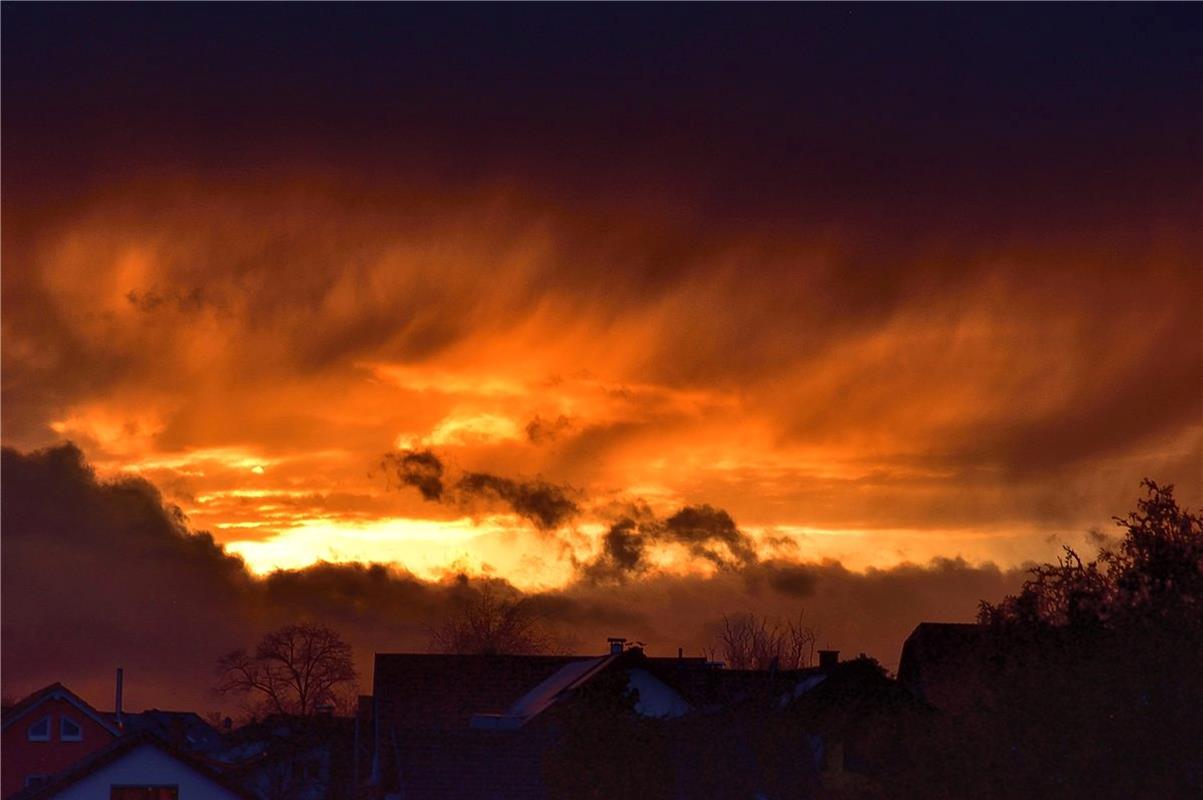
(617, 643)
(828, 659)
(117, 701)
(680, 653)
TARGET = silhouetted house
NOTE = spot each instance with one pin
(183, 730)
(945, 664)
(46, 733)
(856, 719)
(287, 757)
(137, 767)
(363, 741)
(481, 726)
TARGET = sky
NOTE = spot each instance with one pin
(653, 312)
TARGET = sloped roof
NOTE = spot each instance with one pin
(183, 729)
(114, 752)
(443, 692)
(543, 694)
(56, 691)
(446, 692)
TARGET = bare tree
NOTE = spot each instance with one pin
(749, 641)
(488, 620)
(295, 670)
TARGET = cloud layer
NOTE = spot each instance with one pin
(670, 298)
(100, 574)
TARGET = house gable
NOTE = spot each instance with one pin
(65, 730)
(136, 760)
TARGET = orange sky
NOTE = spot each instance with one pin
(660, 312)
(255, 349)
(883, 283)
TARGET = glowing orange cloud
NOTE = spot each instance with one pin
(255, 351)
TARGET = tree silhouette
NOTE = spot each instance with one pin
(294, 670)
(748, 641)
(1155, 577)
(1089, 675)
(490, 621)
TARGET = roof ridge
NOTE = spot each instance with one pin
(49, 692)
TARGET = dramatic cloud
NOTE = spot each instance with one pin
(706, 533)
(880, 303)
(99, 574)
(701, 527)
(421, 470)
(544, 505)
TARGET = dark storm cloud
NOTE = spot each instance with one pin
(101, 574)
(706, 532)
(183, 301)
(702, 527)
(545, 505)
(420, 469)
(901, 104)
(541, 430)
(958, 244)
(793, 580)
(623, 545)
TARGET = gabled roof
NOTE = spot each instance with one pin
(56, 691)
(115, 751)
(443, 692)
(448, 692)
(542, 695)
(183, 729)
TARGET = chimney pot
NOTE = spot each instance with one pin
(617, 644)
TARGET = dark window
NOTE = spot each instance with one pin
(39, 731)
(69, 730)
(144, 793)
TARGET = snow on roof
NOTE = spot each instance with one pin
(803, 686)
(656, 698)
(542, 695)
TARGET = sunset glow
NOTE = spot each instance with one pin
(874, 294)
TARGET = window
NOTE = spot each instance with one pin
(69, 730)
(39, 731)
(144, 793)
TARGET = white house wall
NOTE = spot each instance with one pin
(148, 766)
